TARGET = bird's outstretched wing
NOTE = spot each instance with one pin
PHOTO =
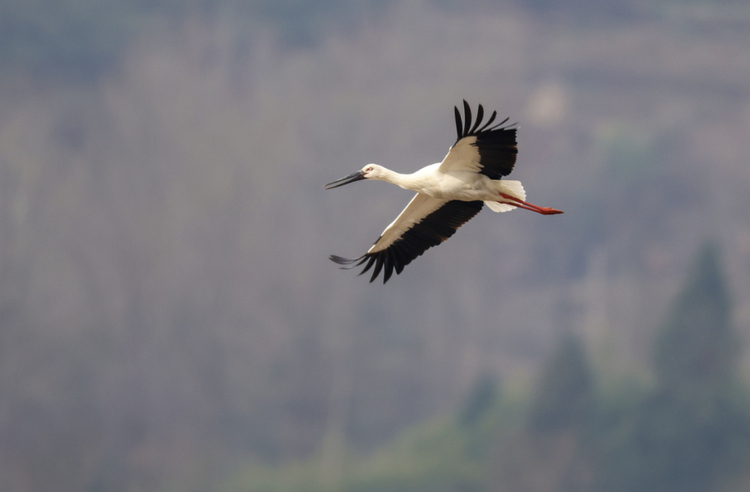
(489, 150)
(424, 223)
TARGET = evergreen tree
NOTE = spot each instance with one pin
(552, 452)
(482, 397)
(691, 431)
(697, 350)
(564, 392)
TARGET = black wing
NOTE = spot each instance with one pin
(492, 152)
(424, 223)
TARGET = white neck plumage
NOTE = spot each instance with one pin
(406, 181)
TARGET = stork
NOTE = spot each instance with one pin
(449, 193)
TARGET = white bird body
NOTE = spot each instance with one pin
(467, 186)
(449, 193)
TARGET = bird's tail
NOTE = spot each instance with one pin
(509, 187)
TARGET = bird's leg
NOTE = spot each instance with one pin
(517, 202)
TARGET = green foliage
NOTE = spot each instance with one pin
(564, 392)
(433, 457)
(697, 350)
(664, 443)
(481, 399)
(689, 432)
(442, 455)
(692, 429)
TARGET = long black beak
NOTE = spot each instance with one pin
(345, 180)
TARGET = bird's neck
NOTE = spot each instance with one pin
(406, 181)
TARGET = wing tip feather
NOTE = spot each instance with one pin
(464, 127)
(431, 231)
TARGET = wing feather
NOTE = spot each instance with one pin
(467, 117)
(424, 223)
(459, 125)
(480, 115)
(489, 122)
(491, 150)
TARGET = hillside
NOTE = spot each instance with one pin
(166, 304)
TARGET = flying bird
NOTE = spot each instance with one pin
(449, 193)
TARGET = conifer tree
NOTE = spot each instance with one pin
(481, 398)
(697, 350)
(690, 432)
(564, 392)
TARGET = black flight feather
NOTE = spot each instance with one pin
(480, 115)
(430, 231)
(496, 144)
(467, 117)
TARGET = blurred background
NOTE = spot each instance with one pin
(169, 320)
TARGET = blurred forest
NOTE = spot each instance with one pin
(688, 429)
(168, 316)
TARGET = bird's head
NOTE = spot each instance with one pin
(370, 171)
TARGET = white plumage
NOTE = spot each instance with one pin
(449, 193)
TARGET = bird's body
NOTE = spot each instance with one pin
(449, 193)
(448, 184)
